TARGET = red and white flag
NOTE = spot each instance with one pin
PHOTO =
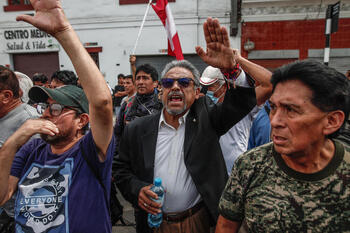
(163, 11)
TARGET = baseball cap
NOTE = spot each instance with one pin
(68, 95)
(210, 76)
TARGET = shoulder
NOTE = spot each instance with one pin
(33, 145)
(144, 122)
(87, 141)
(31, 111)
(346, 147)
(256, 157)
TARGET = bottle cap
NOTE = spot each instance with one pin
(157, 181)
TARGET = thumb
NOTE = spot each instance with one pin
(25, 18)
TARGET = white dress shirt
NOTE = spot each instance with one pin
(235, 141)
(181, 193)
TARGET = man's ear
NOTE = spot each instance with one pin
(197, 93)
(83, 120)
(8, 96)
(335, 120)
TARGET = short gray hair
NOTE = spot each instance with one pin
(184, 64)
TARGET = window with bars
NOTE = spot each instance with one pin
(18, 5)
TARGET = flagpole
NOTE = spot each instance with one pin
(141, 27)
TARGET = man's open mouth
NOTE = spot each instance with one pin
(175, 98)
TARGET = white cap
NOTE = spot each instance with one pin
(210, 76)
(25, 83)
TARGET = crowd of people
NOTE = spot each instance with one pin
(238, 148)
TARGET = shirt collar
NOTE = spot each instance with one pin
(162, 122)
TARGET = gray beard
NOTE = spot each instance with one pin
(176, 112)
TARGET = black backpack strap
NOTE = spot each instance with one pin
(97, 175)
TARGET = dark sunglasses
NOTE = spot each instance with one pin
(55, 109)
(169, 82)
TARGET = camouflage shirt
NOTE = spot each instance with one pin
(271, 197)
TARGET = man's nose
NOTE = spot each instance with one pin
(46, 113)
(277, 118)
(176, 85)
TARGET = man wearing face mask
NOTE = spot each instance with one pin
(235, 141)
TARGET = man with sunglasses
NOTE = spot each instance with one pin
(180, 144)
(63, 179)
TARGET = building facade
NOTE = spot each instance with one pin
(275, 32)
(108, 29)
(269, 32)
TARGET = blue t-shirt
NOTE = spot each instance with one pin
(60, 193)
(261, 129)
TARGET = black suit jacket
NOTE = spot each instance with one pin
(205, 123)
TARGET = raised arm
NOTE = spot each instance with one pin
(132, 61)
(262, 77)
(49, 17)
(219, 54)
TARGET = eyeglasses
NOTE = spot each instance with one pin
(169, 82)
(55, 108)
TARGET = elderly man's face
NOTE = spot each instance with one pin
(296, 124)
(177, 99)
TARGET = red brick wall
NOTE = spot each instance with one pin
(272, 64)
(301, 35)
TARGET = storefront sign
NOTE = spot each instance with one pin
(28, 40)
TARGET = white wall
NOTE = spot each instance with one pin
(115, 28)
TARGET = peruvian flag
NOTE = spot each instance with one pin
(163, 11)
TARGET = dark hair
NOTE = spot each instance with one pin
(9, 81)
(183, 64)
(129, 77)
(39, 77)
(330, 88)
(148, 69)
(67, 77)
(121, 76)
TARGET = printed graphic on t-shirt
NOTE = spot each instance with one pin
(42, 204)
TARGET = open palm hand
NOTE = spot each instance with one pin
(219, 53)
(49, 16)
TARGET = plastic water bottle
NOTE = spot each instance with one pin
(154, 221)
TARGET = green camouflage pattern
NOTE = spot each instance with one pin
(272, 201)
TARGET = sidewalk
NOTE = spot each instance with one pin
(128, 215)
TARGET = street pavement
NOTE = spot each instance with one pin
(128, 215)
